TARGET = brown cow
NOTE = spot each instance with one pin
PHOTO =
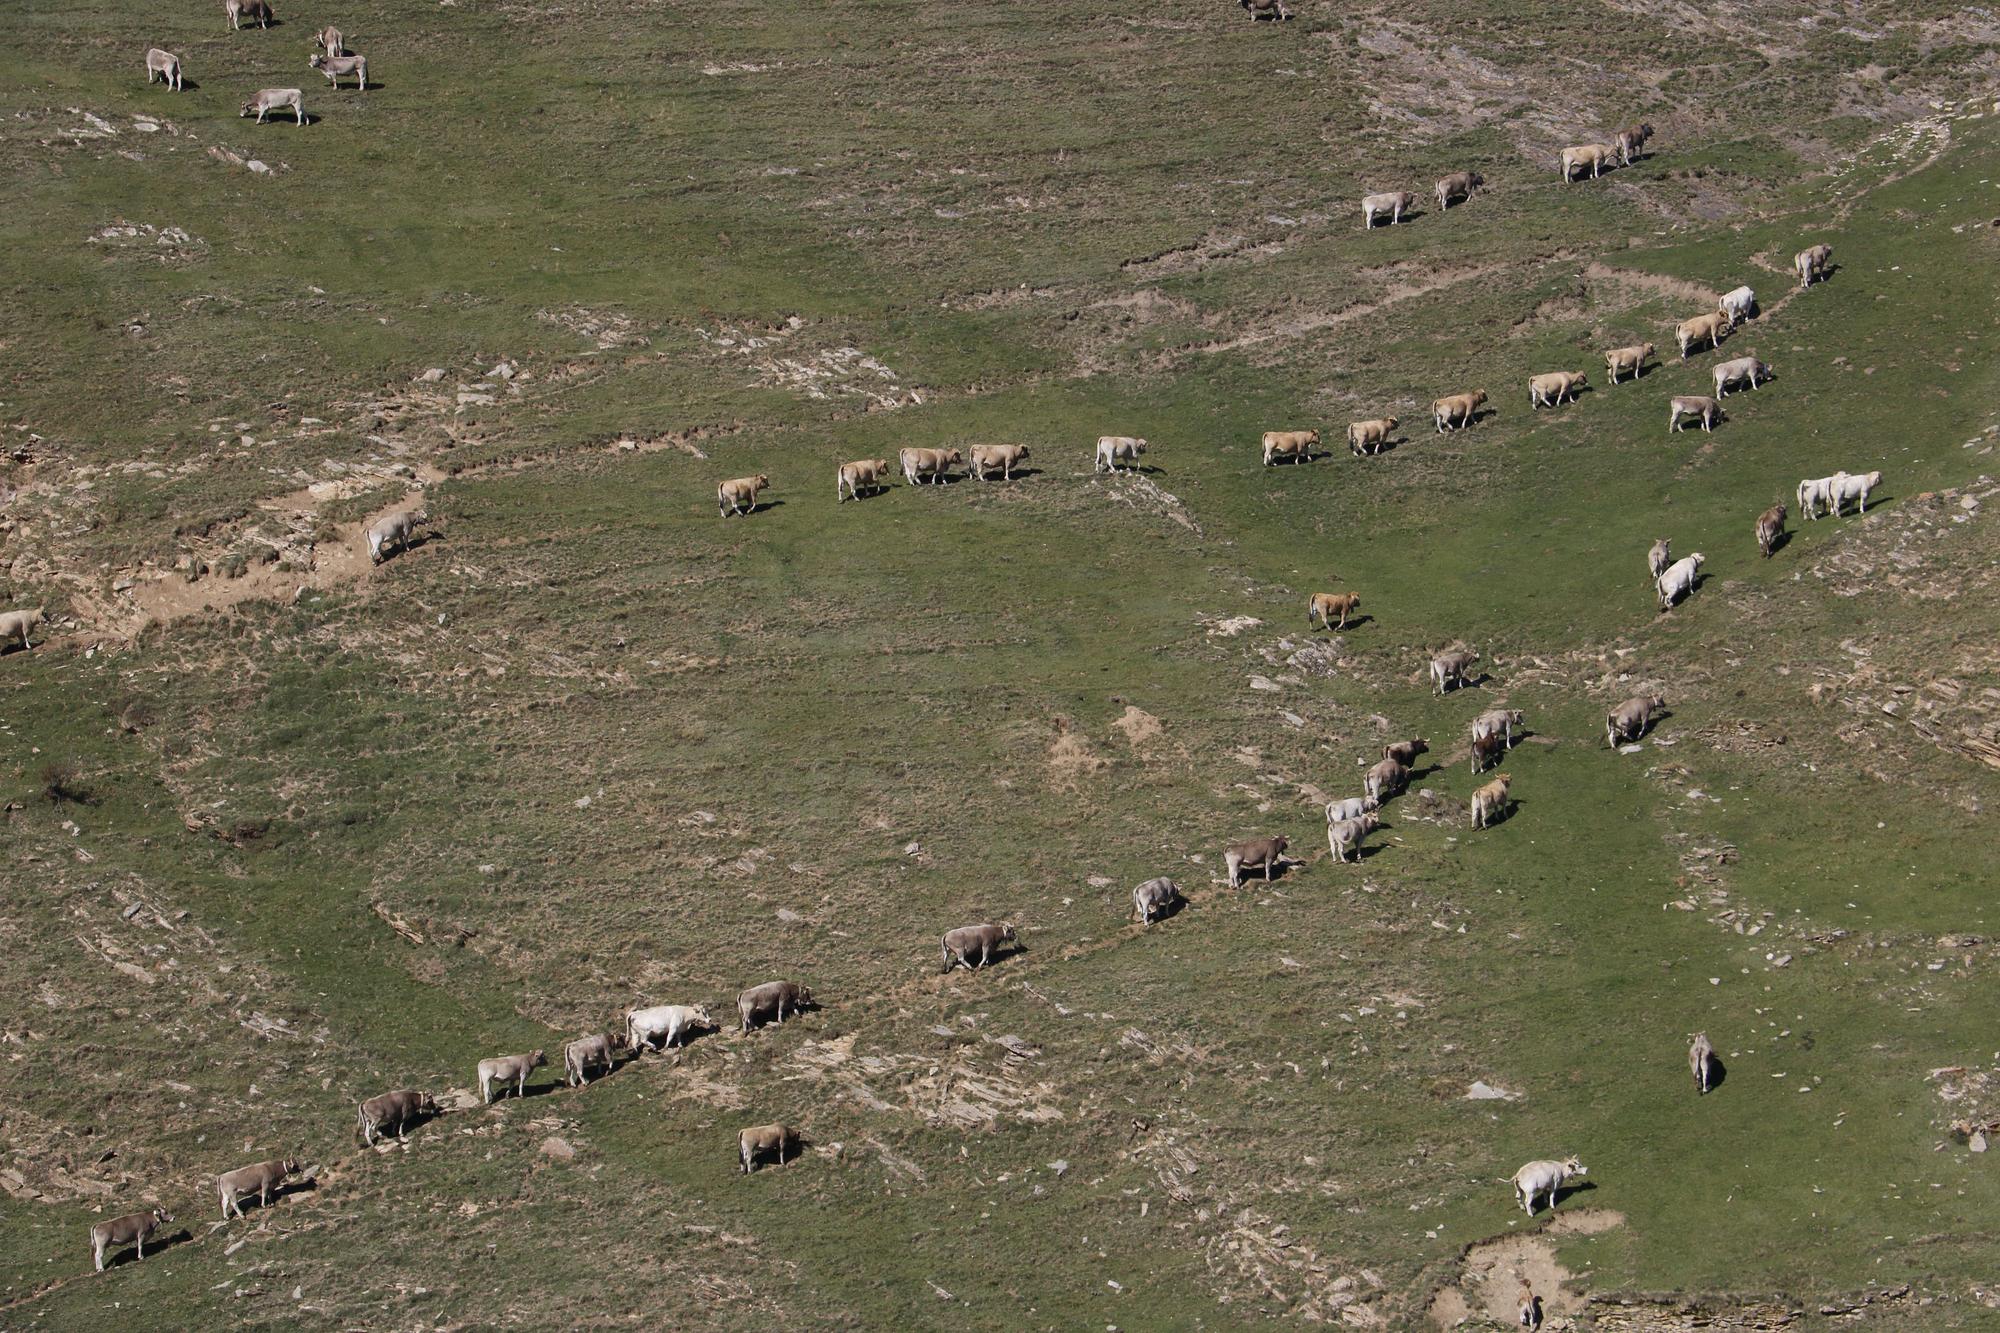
(1770, 527)
(1457, 410)
(973, 947)
(772, 995)
(1368, 437)
(131, 1229)
(758, 1140)
(1006, 457)
(1256, 854)
(740, 496)
(1322, 608)
(260, 1180)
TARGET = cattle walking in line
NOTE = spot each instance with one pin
(1555, 388)
(1735, 306)
(1457, 188)
(928, 467)
(739, 495)
(1770, 527)
(1810, 264)
(1264, 854)
(1630, 140)
(987, 458)
(1633, 718)
(973, 947)
(1490, 801)
(1368, 437)
(597, 1051)
(1707, 411)
(501, 1070)
(1458, 410)
(1541, 1180)
(866, 474)
(1703, 330)
(164, 66)
(773, 997)
(758, 1141)
(1154, 899)
(1595, 156)
(1323, 609)
(261, 1180)
(1407, 752)
(1734, 372)
(1386, 780)
(268, 100)
(1115, 449)
(1296, 445)
(131, 1229)
(1701, 1062)
(1627, 361)
(1348, 807)
(1394, 203)
(394, 1111)
(1344, 836)
(664, 1025)
(1815, 494)
(1679, 580)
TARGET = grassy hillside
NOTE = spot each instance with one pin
(286, 839)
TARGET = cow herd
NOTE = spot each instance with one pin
(1349, 820)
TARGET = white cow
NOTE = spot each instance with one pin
(1353, 807)
(1115, 449)
(1737, 305)
(268, 100)
(1817, 492)
(663, 1025)
(1539, 1179)
(1679, 579)
(1852, 486)
(1732, 373)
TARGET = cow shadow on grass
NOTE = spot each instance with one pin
(156, 1245)
(1008, 949)
(1144, 469)
(1173, 909)
(289, 122)
(756, 508)
(1780, 542)
(1717, 1072)
(1569, 1189)
(1020, 473)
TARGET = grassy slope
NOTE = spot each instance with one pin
(917, 656)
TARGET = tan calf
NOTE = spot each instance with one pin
(1003, 458)
(1705, 330)
(1325, 607)
(1490, 801)
(1368, 437)
(1595, 156)
(761, 1140)
(235, 1186)
(1627, 361)
(1552, 389)
(740, 496)
(1457, 410)
(935, 464)
(1296, 445)
(864, 474)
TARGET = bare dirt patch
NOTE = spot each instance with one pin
(1492, 1271)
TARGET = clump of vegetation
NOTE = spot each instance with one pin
(62, 782)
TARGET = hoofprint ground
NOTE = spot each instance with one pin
(285, 829)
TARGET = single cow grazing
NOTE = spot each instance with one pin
(393, 531)
(1679, 580)
(1490, 801)
(246, 11)
(1852, 486)
(771, 998)
(1387, 779)
(1457, 410)
(15, 626)
(1735, 306)
(1498, 722)
(501, 1070)
(1701, 1062)
(866, 474)
(1406, 753)
(1707, 411)
(1115, 449)
(1658, 557)
(1324, 608)
(664, 1025)
(1344, 837)
(330, 40)
(1732, 373)
(1457, 188)
(597, 1051)
(337, 68)
(1348, 807)
(131, 1229)
(1295, 445)
(1770, 527)
(1264, 854)
(1554, 388)
(1541, 1180)
(1817, 493)
(761, 1141)
(268, 100)
(739, 496)
(1630, 140)
(1633, 718)
(1449, 670)
(973, 947)
(1154, 899)
(1627, 361)
(236, 1186)
(1810, 264)
(394, 1111)
(164, 66)
(1001, 458)
(928, 467)
(1595, 156)
(1368, 437)
(1703, 330)
(1487, 751)
(1394, 204)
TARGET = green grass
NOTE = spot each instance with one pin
(592, 745)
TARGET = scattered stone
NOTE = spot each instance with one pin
(1481, 1091)
(559, 1149)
